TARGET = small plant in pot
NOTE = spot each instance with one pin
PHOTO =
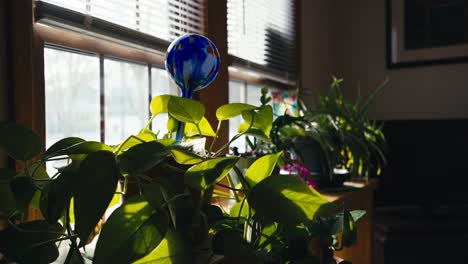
(167, 183)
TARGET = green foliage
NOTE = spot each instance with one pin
(19, 142)
(98, 175)
(261, 168)
(166, 215)
(287, 200)
(207, 173)
(131, 232)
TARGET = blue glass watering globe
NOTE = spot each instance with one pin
(192, 61)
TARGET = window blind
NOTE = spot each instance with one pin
(164, 19)
(261, 35)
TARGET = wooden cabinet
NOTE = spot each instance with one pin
(358, 199)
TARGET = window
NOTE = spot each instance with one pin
(261, 37)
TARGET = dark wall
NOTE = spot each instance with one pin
(3, 100)
(428, 163)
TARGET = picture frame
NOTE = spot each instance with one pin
(426, 32)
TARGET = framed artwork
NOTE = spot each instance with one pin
(425, 32)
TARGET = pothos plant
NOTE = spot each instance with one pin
(166, 215)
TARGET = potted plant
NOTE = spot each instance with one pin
(168, 216)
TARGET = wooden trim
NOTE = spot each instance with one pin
(243, 76)
(81, 41)
(217, 93)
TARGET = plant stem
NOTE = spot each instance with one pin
(230, 188)
(235, 137)
(175, 197)
(74, 245)
(216, 137)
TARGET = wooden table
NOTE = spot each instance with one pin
(358, 199)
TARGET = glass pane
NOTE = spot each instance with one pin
(126, 96)
(72, 106)
(236, 95)
(253, 94)
(71, 95)
(161, 84)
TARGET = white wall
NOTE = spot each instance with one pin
(429, 92)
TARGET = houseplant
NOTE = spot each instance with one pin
(169, 218)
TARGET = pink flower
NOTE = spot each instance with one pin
(302, 170)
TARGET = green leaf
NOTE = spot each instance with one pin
(286, 200)
(81, 148)
(56, 196)
(61, 145)
(229, 243)
(331, 225)
(23, 247)
(234, 212)
(174, 249)
(229, 111)
(7, 198)
(142, 157)
(159, 104)
(184, 157)
(207, 173)
(166, 142)
(131, 232)
(261, 168)
(268, 230)
(186, 110)
(23, 188)
(262, 120)
(349, 230)
(19, 142)
(98, 175)
(205, 129)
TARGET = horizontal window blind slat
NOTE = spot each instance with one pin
(164, 19)
(262, 33)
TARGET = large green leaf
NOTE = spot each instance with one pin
(56, 195)
(19, 142)
(145, 135)
(159, 104)
(186, 110)
(326, 226)
(262, 121)
(267, 235)
(286, 200)
(23, 247)
(80, 148)
(207, 173)
(229, 111)
(131, 232)
(97, 182)
(7, 198)
(205, 129)
(261, 168)
(174, 249)
(185, 157)
(61, 145)
(142, 157)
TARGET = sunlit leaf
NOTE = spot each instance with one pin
(22, 247)
(261, 168)
(174, 249)
(229, 111)
(61, 145)
(159, 104)
(207, 173)
(182, 156)
(98, 175)
(142, 157)
(205, 129)
(186, 110)
(81, 148)
(268, 231)
(286, 200)
(131, 232)
(19, 142)
(243, 208)
(262, 120)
